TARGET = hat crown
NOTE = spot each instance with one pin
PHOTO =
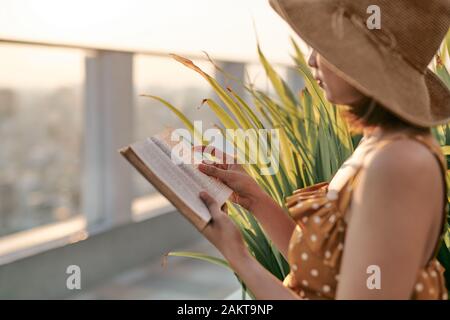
(417, 26)
(397, 54)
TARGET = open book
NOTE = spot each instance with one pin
(178, 181)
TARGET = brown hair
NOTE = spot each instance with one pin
(371, 114)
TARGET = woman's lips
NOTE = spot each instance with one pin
(320, 82)
(318, 79)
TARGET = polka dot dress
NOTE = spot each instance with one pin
(317, 243)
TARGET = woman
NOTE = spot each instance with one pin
(373, 231)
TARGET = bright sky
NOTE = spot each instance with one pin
(223, 28)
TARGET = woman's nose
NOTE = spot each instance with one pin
(312, 61)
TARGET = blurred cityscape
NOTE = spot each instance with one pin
(42, 125)
(40, 154)
(65, 108)
(41, 150)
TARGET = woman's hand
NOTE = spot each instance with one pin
(226, 237)
(222, 232)
(246, 192)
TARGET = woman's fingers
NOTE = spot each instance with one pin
(210, 203)
(221, 174)
(219, 155)
(222, 166)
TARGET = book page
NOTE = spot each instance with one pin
(219, 191)
(178, 181)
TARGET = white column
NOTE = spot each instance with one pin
(107, 183)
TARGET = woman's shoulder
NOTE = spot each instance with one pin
(403, 172)
(406, 156)
(401, 190)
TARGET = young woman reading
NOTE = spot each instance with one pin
(384, 210)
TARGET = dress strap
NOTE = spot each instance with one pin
(434, 149)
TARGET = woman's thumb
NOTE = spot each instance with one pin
(209, 202)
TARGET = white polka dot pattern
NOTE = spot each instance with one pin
(316, 249)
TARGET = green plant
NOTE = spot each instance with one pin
(314, 142)
(442, 134)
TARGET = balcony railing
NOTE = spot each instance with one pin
(107, 184)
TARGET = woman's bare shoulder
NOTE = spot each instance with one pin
(405, 158)
(406, 174)
(395, 213)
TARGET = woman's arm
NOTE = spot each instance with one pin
(263, 284)
(276, 223)
(395, 217)
(226, 237)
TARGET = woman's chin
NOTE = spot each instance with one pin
(330, 97)
(334, 99)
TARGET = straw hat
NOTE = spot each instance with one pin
(388, 64)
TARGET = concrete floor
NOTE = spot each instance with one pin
(180, 278)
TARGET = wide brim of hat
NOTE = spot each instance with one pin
(420, 99)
